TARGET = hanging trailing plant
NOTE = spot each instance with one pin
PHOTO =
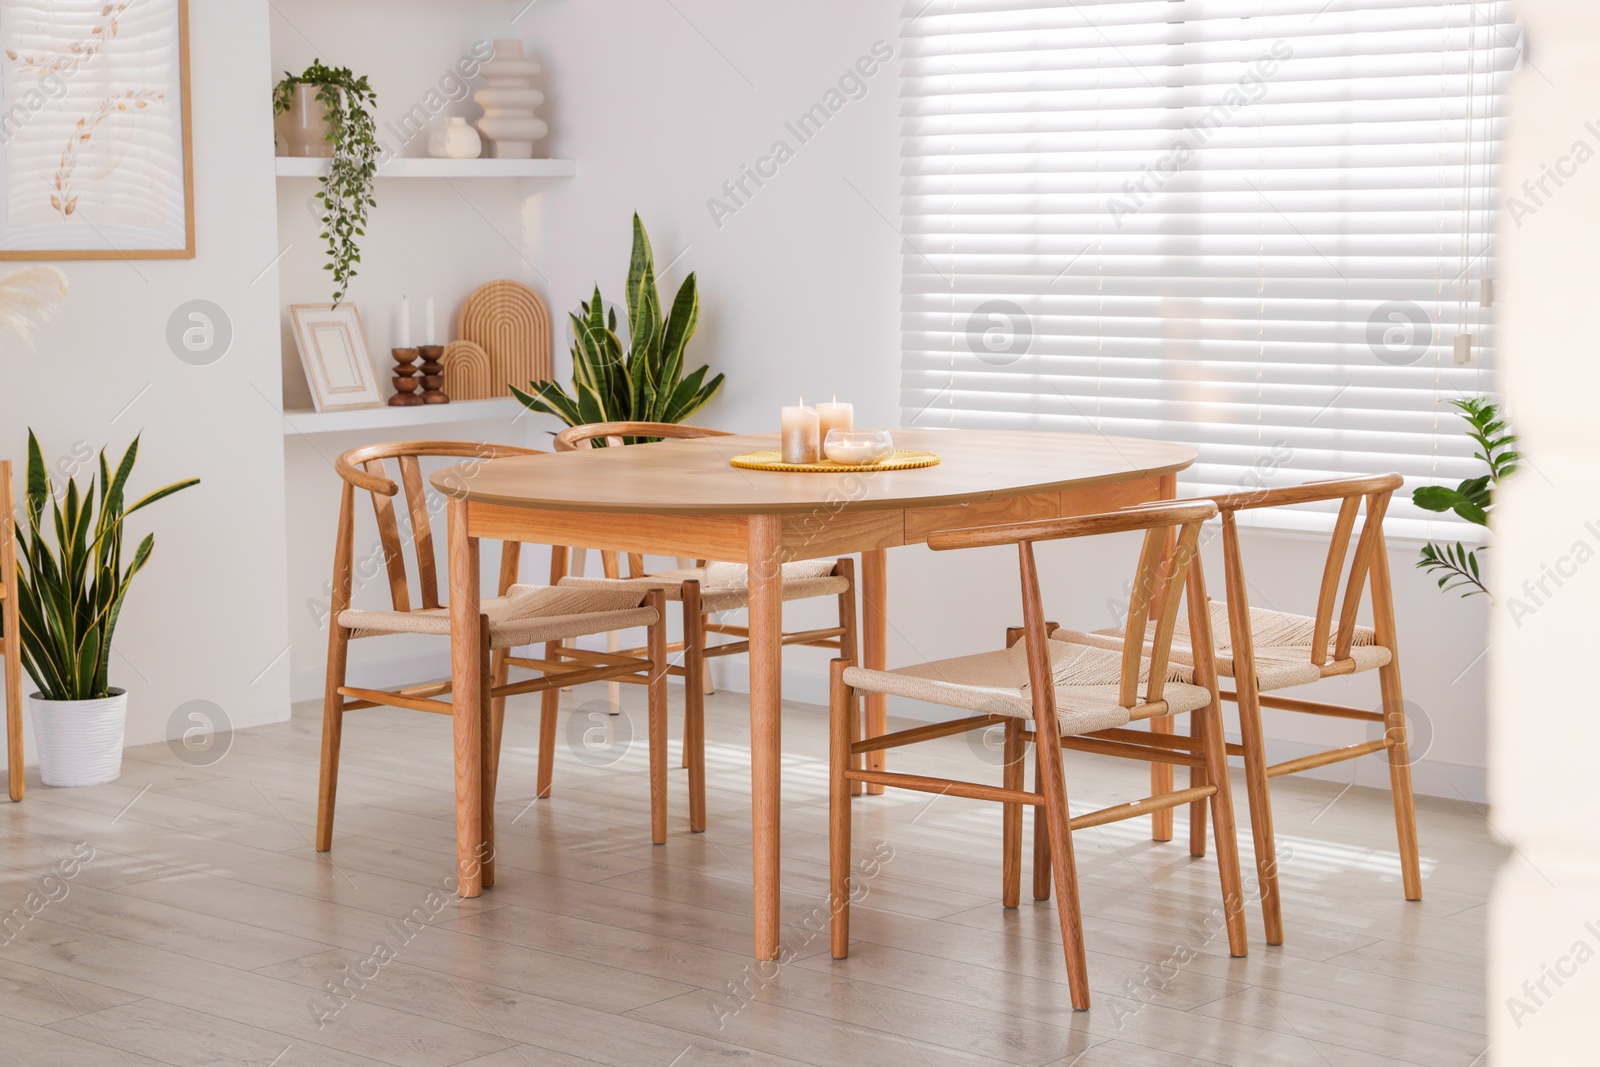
(1456, 566)
(347, 189)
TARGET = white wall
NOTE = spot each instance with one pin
(799, 292)
(205, 619)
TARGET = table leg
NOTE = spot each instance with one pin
(766, 668)
(1161, 778)
(875, 649)
(466, 671)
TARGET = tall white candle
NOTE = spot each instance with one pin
(802, 438)
(836, 416)
(405, 322)
(428, 336)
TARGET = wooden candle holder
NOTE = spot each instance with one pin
(405, 379)
(433, 375)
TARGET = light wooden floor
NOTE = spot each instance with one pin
(206, 922)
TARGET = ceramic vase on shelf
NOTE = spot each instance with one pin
(455, 140)
(508, 100)
(304, 128)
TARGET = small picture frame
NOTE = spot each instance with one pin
(333, 351)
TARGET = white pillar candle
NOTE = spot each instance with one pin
(802, 438)
(405, 322)
(836, 416)
(428, 336)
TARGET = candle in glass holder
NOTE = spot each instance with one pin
(836, 416)
(802, 434)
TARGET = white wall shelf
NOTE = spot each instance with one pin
(302, 167)
(505, 409)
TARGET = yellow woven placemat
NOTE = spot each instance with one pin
(770, 459)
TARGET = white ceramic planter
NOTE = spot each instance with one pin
(304, 128)
(79, 741)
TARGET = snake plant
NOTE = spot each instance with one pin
(69, 597)
(646, 385)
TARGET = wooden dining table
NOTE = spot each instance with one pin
(684, 499)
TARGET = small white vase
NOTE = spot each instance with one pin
(508, 99)
(455, 140)
(79, 741)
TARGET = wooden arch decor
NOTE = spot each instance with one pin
(508, 321)
(468, 372)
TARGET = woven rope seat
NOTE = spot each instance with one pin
(996, 683)
(526, 615)
(726, 586)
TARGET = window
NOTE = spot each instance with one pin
(1258, 227)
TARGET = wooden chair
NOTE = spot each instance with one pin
(704, 589)
(1264, 651)
(11, 636)
(1080, 696)
(521, 615)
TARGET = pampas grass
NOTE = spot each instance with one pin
(29, 298)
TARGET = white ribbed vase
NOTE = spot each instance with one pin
(508, 99)
(79, 741)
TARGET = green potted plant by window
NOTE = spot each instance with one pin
(326, 111)
(1456, 566)
(646, 385)
(68, 599)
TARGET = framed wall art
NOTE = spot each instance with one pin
(333, 351)
(95, 146)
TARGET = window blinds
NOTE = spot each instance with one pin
(1257, 227)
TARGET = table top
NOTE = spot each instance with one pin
(694, 476)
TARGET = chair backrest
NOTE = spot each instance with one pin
(364, 468)
(601, 434)
(1167, 563)
(1365, 499)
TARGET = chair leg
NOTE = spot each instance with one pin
(488, 750)
(850, 649)
(1206, 724)
(858, 732)
(549, 708)
(694, 704)
(500, 673)
(1405, 813)
(1014, 777)
(332, 732)
(841, 730)
(1161, 781)
(1041, 839)
(611, 563)
(657, 703)
(15, 777)
(1258, 789)
(1064, 868)
(1198, 776)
